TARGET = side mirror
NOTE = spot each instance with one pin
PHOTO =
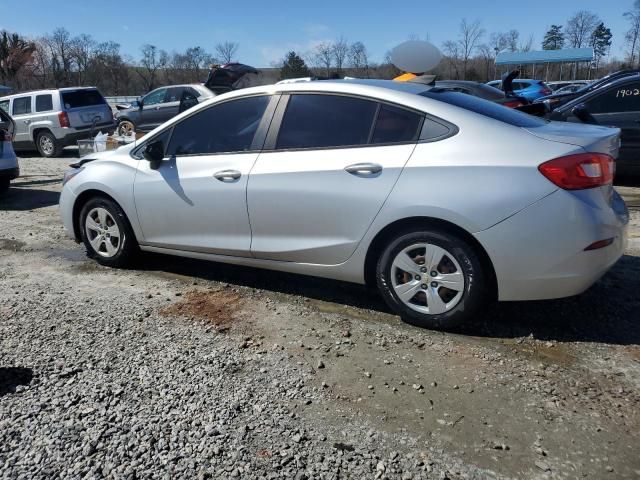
(187, 100)
(154, 151)
(140, 102)
(582, 114)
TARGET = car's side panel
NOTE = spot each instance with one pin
(304, 206)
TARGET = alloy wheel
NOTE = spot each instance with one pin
(427, 278)
(46, 145)
(102, 232)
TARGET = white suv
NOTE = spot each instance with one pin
(49, 120)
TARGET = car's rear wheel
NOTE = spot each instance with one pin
(432, 279)
(125, 127)
(106, 233)
(48, 146)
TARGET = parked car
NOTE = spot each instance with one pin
(49, 120)
(557, 85)
(158, 106)
(570, 88)
(614, 104)
(443, 200)
(557, 99)
(527, 88)
(9, 169)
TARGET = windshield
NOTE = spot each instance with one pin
(486, 108)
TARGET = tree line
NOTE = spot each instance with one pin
(59, 59)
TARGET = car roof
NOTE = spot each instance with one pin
(45, 91)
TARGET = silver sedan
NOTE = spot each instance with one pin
(442, 200)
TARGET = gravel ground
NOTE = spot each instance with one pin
(190, 369)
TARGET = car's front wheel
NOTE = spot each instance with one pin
(48, 146)
(106, 233)
(432, 279)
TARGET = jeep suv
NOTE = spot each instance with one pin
(49, 120)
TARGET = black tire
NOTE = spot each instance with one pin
(4, 185)
(475, 294)
(47, 145)
(121, 130)
(127, 248)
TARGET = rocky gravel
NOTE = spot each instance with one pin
(186, 369)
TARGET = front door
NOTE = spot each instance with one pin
(151, 112)
(195, 199)
(335, 161)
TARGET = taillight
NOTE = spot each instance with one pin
(546, 91)
(513, 103)
(580, 171)
(63, 118)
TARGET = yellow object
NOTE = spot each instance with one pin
(405, 77)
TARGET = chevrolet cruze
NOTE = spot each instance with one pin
(442, 200)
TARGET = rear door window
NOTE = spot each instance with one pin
(4, 105)
(486, 108)
(44, 103)
(623, 98)
(396, 125)
(225, 127)
(82, 98)
(21, 106)
(322, 121)
(174, 94)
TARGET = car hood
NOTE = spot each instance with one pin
(92, 157)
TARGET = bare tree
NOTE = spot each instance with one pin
(470, 34)
(152, 60)
(340, 49)
(526, 46)
(487, 55)
(60, 47)
(82, 51)
(358, 57)
(323, 56)
(512, 37)
(226, 51)
(580, 27)
(452, 54)
(632, 37)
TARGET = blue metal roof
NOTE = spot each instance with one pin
(545, 56)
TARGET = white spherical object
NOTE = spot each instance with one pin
(415, 56)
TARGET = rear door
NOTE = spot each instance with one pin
(85, 108)
(333, 161)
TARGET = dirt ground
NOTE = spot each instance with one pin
(535, 390)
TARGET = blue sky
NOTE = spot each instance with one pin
(265, 30)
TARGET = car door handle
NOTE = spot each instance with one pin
(364, 169)
(227, 175)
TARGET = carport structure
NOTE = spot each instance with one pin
(545, 58)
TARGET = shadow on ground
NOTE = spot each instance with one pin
(11, 377)
(20, 198)
(609, 312)
(69, 152)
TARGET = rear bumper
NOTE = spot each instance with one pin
(539, 253)
(10, 173)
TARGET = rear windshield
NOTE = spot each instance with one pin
(486, 108)
(82, 98)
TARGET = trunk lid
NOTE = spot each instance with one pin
(592, 138)
(85, 107)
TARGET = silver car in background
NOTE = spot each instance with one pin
(49, 120)
(9, 169)
(443, 200)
